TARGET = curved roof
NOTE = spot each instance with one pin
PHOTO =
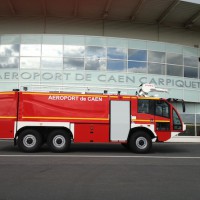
(165, 12)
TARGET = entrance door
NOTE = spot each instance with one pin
(120, 120)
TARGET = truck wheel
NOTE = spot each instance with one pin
(59, 141)
(29, 140)
(140, 142)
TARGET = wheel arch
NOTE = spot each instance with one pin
(144, 129)
(44, 130)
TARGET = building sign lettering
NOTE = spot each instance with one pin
(97, 78)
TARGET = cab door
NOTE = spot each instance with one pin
(162, 120)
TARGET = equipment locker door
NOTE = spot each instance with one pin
(120, 120)
(8, 114)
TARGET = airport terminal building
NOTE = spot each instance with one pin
(118, 44)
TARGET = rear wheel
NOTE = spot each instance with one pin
(140, 142)
(59, 141)
(29, 140)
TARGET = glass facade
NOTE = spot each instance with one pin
(102, 61)
(66, 52)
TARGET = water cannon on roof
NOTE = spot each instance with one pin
(146, 88)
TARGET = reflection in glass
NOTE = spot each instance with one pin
(10, 39)
(189, 120)
(74, 40)
(95, 64)
(137, 67)
(30, 50)
(198, 124)
(156, 68)
(116, 65)
(31, 39)
(74, 51)
(191, 61)
(52, 63)
(176, 59)
(9, 50)
(30, 62)
(74, 63)
(198, 119)
(95, 41)
(116, 53)
(190, 72)
(155, 56)
(52, 50)
(135, 54)
(198, 130)
(8, 86)
(174, 70)
(52, 39)
(95, 52)
(190, 131)
(9, 62)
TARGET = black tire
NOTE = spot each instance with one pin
(140, 142)
(29, 140)
(59, 141)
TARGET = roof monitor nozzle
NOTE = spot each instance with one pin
(146, 88)
(118, 92)
(105, 91)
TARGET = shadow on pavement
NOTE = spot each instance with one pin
(157, 148)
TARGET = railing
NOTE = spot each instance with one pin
(83, 89)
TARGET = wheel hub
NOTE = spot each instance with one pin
(59, 141)
(141, 142)
(29, 141)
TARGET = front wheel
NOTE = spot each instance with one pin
(140, 142)
(59, 141)
(29, 140)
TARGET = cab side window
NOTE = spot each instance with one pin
(145, 106)
(162, 109)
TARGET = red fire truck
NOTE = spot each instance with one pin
(57, 119)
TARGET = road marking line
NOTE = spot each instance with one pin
(102, 156)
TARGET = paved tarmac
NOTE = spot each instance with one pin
(100, 172)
